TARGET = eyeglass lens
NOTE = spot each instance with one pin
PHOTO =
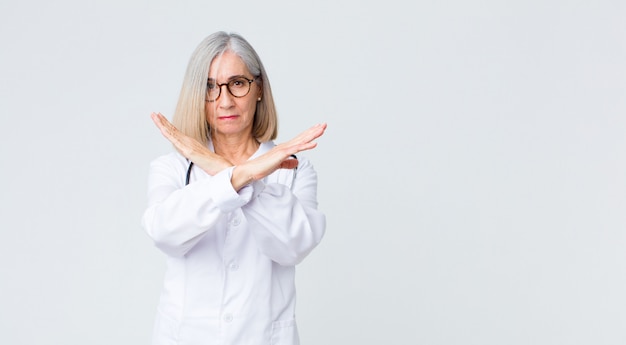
(237, 87)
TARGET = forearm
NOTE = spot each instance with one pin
(178, 216)
(285, 222)
(178, 221)
(286, 231)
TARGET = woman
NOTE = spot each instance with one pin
(233, 212)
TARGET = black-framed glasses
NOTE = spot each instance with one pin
(238, 86)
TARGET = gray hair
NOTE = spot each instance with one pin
(190, 116)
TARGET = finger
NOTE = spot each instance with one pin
(173, 135)
(160, 121)
(167, 129)
(310, 134)
(304, 147)
(166, 124)
(305, 141)
(157, 121)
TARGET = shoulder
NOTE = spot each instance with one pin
(171, 161)
(168, 169)
(266, 146)
(169, 158)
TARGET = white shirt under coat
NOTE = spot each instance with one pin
(231, 255)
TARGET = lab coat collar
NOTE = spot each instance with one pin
(263, 148)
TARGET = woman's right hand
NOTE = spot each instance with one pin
(192, 149)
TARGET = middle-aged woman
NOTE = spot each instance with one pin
(233, 212)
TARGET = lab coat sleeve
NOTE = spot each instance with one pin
(178, 216)
(287, 225)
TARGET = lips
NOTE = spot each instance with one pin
(228, 117)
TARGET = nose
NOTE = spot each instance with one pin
(225, 99)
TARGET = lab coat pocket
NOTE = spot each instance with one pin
(285, 332)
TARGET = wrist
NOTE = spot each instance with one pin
(240, 177)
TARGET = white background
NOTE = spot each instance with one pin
(473, 172)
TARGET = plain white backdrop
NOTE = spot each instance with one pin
(473, 172)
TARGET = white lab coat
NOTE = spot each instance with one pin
(230, 256)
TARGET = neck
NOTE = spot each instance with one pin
(236, 149)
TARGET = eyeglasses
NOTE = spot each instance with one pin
(238, 87)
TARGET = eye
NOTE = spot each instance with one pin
(210, 86)
(238, 83)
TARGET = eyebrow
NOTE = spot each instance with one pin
(230, 78)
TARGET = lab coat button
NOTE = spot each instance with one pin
(228, 317)
(236, 221)
(234, 267)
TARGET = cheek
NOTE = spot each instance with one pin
(253, 109)
(209, 115)
(252, 105)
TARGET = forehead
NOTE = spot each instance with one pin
(227, 65)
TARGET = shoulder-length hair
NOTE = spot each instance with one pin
(190, 116)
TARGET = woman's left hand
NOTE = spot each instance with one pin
(279, 157)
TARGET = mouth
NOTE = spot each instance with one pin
(228, 117)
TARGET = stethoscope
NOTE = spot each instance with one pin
(293, 178)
